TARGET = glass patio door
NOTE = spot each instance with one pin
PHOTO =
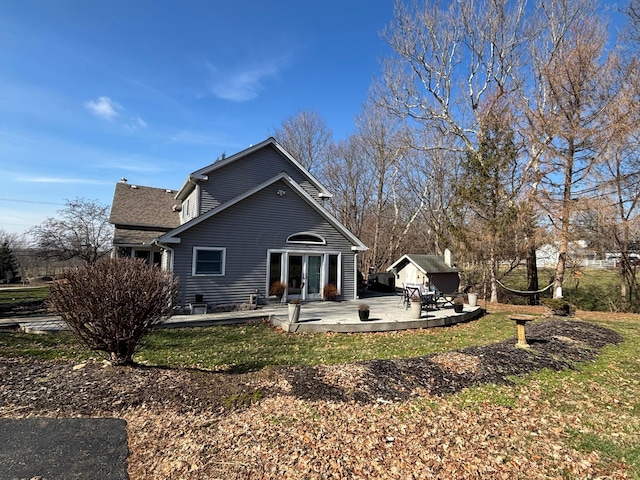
(304, 277)
(314, 271)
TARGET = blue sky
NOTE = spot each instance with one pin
(92, 91)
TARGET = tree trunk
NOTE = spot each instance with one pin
(494, 273)
(565, 222)
(532, 265)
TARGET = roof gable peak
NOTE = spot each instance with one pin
(203, 173)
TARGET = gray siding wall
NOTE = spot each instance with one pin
(247, 230)
(191, 201)
(245, 173)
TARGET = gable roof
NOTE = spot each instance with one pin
(172, 236)
(137, 206)
(203, 173)
(425, 263)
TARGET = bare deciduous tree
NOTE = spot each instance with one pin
(454, 62)
(380, 138)
(448, 58)
(349, 178)
(306, 137)
(81, 231)
(572, 92)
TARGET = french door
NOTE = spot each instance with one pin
(304, 273)
(304, 276)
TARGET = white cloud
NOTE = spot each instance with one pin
(244, 84)
(135, 124)
(103, 107)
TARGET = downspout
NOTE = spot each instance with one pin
(355, 276)
(171, 252)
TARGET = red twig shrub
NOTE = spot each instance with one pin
(330, 292)
(110, 305)
(277, 289)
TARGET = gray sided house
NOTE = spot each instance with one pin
(243, 223)
(438, 271)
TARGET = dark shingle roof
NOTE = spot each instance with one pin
(432, 263)
(428, 263)
(124, 236)
(144, 207)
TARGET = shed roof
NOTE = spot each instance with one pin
(426, 263)
(134, 205)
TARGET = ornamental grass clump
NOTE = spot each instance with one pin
(110, 305)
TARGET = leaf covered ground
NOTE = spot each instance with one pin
(371, 419)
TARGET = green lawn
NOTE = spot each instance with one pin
(257, 345)
(12, 296)
(588, 289)
(254, 346)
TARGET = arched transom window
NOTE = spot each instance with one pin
(306, 237)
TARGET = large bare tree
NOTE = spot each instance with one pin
(449, 57)
(380, 138)
(453, 64)
(82, 230)
(306, 137)
(350, 180)
(569, 96)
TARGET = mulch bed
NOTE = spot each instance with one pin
(62, 388)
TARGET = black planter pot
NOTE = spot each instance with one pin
(457, 308)
(363, 314)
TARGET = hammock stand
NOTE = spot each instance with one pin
(524, 293)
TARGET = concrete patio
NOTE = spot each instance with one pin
(387, 314)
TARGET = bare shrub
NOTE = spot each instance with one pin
(110, 305)
(330, 292)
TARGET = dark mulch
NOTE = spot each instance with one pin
(60, 388)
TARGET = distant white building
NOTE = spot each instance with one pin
(547, 255)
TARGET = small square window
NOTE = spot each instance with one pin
(208, 261)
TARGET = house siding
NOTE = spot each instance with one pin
(240, 176)
(190, 206)
(247, 231)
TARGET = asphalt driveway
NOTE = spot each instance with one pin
(63, 448)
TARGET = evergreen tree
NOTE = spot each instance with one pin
(8, 264)
(488, 194)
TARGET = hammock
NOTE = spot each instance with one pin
(524, 293)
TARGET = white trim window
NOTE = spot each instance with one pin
(208, 261)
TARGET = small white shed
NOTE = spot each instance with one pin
(429, 270)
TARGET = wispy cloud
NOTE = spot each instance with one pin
(245, 83)
(135, 124)
(22, 178)
(103, 107)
